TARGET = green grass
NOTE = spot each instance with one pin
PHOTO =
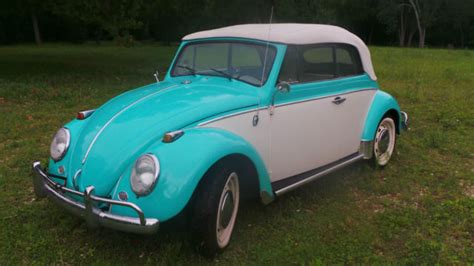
(420, 208)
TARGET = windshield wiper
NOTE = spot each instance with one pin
(229, 76)
(190, 69)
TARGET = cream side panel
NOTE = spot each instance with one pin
(311, 134)
(302, 136)
(242, 125)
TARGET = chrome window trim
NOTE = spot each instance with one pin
(225, 40)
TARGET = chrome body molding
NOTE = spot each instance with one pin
(229, 115)
(44, 186)
(366, 148)
(116, 115)
(272, 107)
(323, 97)
(318, 175)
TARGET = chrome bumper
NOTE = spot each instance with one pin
(44, 186)
(404, 120)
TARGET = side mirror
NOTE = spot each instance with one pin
(283, 87)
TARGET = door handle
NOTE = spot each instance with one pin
(338, 100)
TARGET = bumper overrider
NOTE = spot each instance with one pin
(45, 186)
(404, 116)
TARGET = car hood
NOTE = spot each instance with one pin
(120, 130)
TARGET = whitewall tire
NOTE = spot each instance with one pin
(384, 142)
(215, 210)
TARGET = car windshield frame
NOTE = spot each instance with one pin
(268, 67)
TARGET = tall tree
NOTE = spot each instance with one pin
(30, 9)
(397, 16)
(426, 12)
(459, 15)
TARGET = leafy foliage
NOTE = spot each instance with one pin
(442, 22)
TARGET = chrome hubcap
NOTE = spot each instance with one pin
(227, 208)
(384, 141)
(227, 212)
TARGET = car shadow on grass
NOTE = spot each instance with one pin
(173, 242)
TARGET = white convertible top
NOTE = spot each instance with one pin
(292, 33)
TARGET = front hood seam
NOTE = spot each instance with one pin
(116, 115)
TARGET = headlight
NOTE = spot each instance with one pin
(145, 174)
(60, 144)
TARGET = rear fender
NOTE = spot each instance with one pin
(381, 104)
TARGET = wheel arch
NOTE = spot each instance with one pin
(248, 174)
(186, 161)
(383, 104)
(395, 115)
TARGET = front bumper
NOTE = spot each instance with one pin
(44, 186)
(404, 120)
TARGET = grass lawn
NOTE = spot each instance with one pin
(420, 208)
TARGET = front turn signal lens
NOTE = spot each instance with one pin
(84, 114)
(172, 136)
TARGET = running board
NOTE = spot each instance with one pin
(285, 185)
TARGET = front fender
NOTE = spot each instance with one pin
(183, 163)
(381, 104)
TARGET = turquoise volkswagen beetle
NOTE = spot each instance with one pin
(244, 111)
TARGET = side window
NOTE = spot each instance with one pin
(316, 63)
(348, 61)
(311, 63)
(289, 68)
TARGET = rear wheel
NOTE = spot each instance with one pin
(384, 142)
(215, 210)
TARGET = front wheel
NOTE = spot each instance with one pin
(384, 142)
(215, 210)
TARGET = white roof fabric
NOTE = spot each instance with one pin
(292, 33)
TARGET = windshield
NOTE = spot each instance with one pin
(242, 61)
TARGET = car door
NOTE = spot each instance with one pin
(319, 121)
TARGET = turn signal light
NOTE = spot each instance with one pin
(172, 136)
(84, 114)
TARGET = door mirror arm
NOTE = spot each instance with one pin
(282, 87)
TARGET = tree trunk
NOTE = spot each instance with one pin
(410, 37)
(402, 29)
(421, 30)
(422, 38)
(36, 29)
(371, 34)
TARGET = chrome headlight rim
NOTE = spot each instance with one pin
(68, 142)
(156, 174)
